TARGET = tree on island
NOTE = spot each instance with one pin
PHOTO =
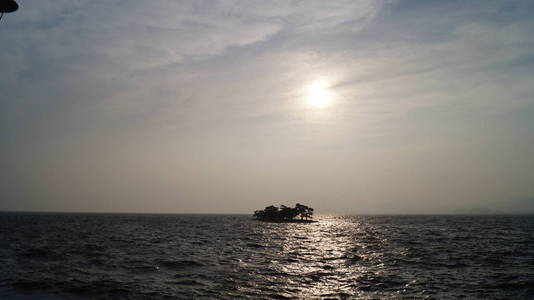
(284, 213)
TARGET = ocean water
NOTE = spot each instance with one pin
(113, 256)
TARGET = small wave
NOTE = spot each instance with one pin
(179, 264)
(41, 253)
(190, 282)
(144, 269)
(276, 273)
(94, 247)
(529, 284)
(29, 284)
(328, 267)
(335, 296)
(317, 275)
(353, 258)
(280, 296)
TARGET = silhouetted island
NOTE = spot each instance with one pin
(285, 214)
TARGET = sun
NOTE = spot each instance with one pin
(318, 95)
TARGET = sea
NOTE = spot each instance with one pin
(142, 256)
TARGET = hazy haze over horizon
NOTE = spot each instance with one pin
(350, 107)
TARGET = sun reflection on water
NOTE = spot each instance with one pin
(317, 260)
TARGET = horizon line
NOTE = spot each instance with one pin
(237, 213)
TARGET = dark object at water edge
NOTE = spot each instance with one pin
(285, 214)
(8, 6)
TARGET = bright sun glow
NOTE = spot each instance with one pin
(318, 95)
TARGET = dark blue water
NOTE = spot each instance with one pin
(208, 256)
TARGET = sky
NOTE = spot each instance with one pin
(351, 107)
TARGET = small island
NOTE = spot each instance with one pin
(285, 214)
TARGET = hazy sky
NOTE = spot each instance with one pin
(229, 106)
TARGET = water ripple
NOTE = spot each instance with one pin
(180, 256)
